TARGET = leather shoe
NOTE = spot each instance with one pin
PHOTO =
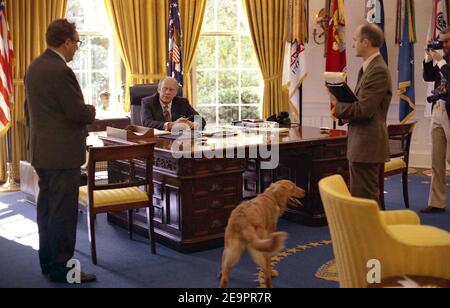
(431, 210)
(85, 277)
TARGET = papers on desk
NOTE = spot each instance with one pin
(159, 132)
(269, 128)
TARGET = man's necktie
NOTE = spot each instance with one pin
(167, 117)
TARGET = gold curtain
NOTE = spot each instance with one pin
(28, 21)
(192, 12)
(268, 26)
(140, 30)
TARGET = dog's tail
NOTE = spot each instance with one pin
(272, 245)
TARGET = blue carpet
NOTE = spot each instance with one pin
(129, 264)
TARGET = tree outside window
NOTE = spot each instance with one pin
(228, 84)
(96, 64)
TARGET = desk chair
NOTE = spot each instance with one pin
(360, 232)
(118, 191)
(400, 136)
(139, 92)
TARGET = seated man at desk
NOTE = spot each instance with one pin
(164, 110)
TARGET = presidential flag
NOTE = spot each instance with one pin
(336, 47)
(175, 56)
(6, 72)
(375, 15)
(406, 38)
(438, 22)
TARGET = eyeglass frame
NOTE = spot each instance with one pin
(78, 42)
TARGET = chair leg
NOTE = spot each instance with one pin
(405, 188)
(91, 227)
(130, 224)
(151, 228)
(381, 187)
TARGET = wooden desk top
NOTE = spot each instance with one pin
(300, 135)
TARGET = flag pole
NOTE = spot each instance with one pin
(10, 184)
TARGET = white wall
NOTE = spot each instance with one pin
(315, 108)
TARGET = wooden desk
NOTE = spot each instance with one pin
(194, 197)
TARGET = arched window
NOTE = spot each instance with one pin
(227, 81)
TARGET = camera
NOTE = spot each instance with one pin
(436, 45)
(437, 95)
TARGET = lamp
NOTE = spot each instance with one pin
(321, 27)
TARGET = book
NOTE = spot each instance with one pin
(336, 84)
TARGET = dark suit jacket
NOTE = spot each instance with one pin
(152, 114)
(432, 73)
(367, 130)
(57, 114)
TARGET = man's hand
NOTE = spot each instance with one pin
(180, 122)
(436, 56)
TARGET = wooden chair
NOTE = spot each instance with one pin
(399, 144)
(107, 192)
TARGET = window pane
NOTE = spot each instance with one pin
(228, 52)
(83, 81)
(227, 15)
(248, 59)
(228, 114)
(228, 88)
(206, 52)
(80, 61)
(100, 82)
(206, 82)
(100, 53)
(251, 88)
(251, 112)
(209, 20)
(208, 113)
(89, 15)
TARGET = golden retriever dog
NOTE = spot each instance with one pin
(252, 225)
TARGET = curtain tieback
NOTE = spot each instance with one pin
(18, 82)
(278, 76)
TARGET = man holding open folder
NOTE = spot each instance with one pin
(368, 146)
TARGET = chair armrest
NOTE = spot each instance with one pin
(400, 218)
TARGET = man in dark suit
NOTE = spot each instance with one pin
(436, 69)
(368, 146)
(165, 110)
(57, 116)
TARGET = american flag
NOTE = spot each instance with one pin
(6, 72)
(175, 58)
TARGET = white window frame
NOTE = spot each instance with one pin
(238, 34)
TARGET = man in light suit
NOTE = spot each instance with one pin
(164, 110)
(368, 145)
(57, 116)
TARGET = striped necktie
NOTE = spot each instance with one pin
(167, 117)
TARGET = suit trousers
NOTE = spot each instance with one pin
(364, 180)
(440, 136)
(57, 215)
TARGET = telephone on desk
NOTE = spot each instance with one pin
(281, 118)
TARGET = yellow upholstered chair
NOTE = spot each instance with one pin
(111, 191)
(399, 144)
(360, 233)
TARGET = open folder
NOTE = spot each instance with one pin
(337, 86)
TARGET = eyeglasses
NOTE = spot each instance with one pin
(78, 42)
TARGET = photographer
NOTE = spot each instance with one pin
(436, 69)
